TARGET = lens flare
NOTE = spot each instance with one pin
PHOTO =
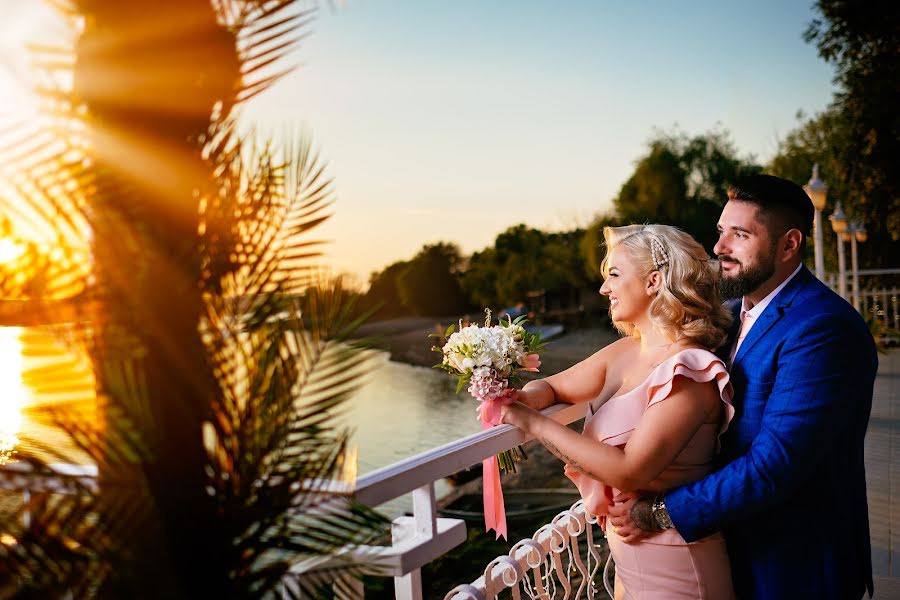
(10, 251)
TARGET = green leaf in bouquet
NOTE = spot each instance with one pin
(462, 381)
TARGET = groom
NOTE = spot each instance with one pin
(790, 492)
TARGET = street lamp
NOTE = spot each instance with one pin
(857, 233)
(817, 191)
(839, 224)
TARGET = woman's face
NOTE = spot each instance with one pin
(626, 289)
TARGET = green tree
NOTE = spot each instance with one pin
(429, 283)
(215, 397)
(591, 246)
(682, 181)
(480, 278)
(522, 260)
(814, 141)
(861, 40)
(856, 141)
(383, 295)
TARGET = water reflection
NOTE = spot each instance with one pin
(400, 411)
(404, 410)
(14, 393)
(40, 375)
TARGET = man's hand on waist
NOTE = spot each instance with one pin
(632, 516)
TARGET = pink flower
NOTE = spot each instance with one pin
(531, 362)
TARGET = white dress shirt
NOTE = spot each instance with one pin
(749, 315)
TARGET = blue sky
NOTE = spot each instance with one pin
(453, 120)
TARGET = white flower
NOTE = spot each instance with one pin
(472, 347)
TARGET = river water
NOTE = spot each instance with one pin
(399, 411)
(403, 410)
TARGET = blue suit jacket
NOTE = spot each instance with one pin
(790, 493)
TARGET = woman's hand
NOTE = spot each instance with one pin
(537, 394)
(523, 417)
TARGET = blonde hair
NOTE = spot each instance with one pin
(688, 304)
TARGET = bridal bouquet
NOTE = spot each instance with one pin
(488, 358)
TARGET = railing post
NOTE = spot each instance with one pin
(409, 586)
(894, 305)
(425, 510)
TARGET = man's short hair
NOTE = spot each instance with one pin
(783, 204)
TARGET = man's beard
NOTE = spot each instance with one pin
(747, 279)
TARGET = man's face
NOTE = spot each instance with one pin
(745, 249)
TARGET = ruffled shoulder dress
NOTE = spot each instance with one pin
(663, 566)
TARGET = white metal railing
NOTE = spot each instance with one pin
(876, 303)
(419, 539)
(881, 305)
(536, 565)
(60, 478)
(416, 540)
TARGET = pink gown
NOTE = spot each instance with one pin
(663, 566)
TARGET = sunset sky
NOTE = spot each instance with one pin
(451, 121)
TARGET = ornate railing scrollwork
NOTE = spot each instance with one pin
(550, 564)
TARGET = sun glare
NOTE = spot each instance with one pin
(14, 393)
(19, 26)
(9, 251)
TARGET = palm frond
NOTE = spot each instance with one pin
(267, 31)
(271, 342)
(272, 435)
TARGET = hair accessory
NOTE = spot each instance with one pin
(659, 254)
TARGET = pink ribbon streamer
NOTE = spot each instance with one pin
(494, 509)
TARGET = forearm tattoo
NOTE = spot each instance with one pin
(642, 509)
(565, 458)
(642, 514)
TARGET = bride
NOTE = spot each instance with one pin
(657, 401)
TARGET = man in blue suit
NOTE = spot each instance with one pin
(790, 491)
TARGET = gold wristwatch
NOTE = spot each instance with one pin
(660, 514)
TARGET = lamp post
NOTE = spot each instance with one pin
(839, 224)
(817, 191)
(857, 233)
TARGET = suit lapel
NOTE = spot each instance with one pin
(773, 312)
(766, 320)
(734, 307)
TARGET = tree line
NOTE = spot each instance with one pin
(682, 180)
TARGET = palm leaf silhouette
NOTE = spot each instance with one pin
(220, 354)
